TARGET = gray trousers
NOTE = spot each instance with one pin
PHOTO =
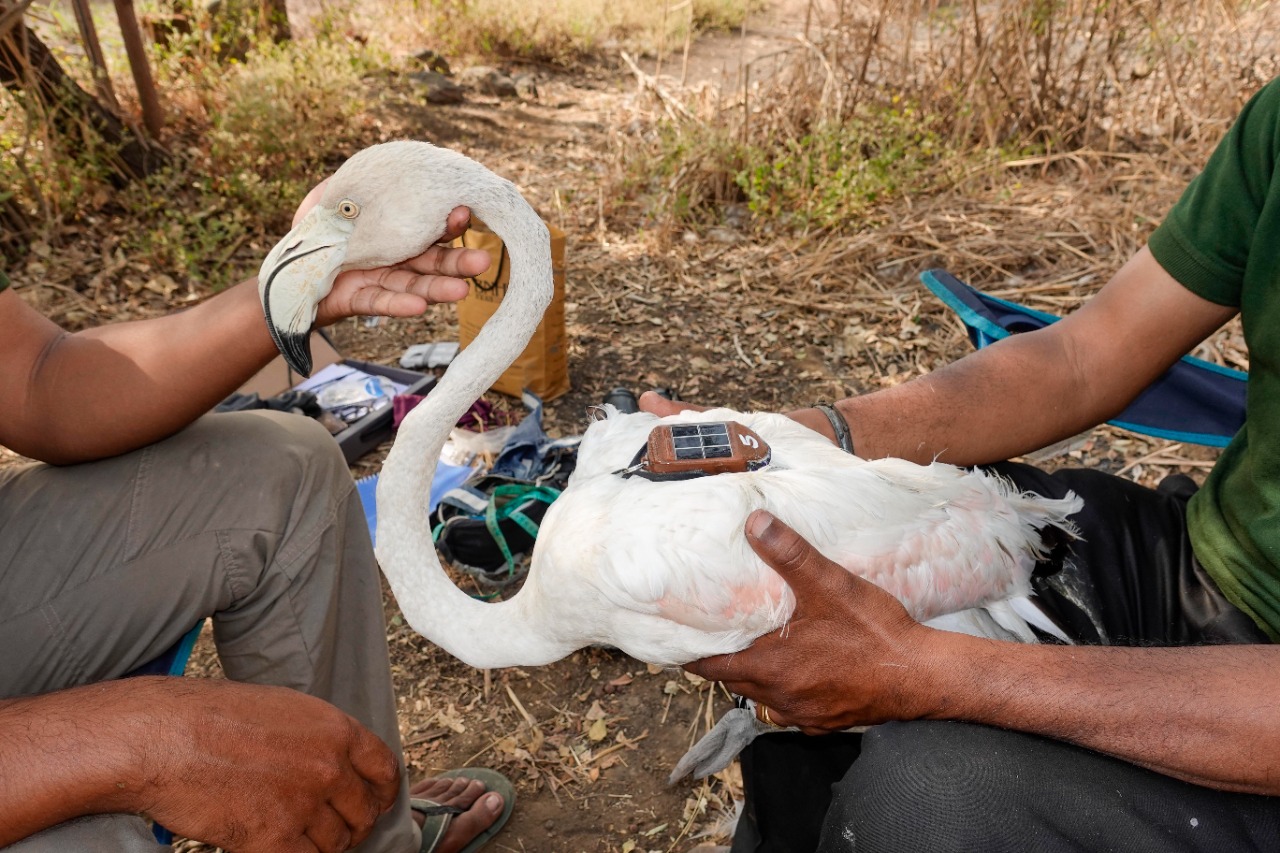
(944, 787)
(251, 519)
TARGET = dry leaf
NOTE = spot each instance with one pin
(161, 285)
(535, 739)
(451, 719)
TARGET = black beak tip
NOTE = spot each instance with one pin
(297, 353)
(296, 350)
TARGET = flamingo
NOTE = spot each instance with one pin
(658, 569)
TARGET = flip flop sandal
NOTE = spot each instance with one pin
(438, 817)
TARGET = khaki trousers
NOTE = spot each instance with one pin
(251, 519)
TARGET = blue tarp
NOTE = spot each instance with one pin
(447, 477)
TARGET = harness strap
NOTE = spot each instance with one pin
(513, 497)
(637, 468)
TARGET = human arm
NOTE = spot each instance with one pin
(245, 767)
(1032, 389)
(850, 655)
(104, 391)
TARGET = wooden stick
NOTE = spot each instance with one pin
(93, 49)
(152, 117)
(12, 16)
(646, 82)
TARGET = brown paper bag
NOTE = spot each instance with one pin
(543, 367)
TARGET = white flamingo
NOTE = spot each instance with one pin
(660, 570)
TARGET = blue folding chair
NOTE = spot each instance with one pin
(174, 660)
(1195, 401)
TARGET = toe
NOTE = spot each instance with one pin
(431, 789)
(475, 820)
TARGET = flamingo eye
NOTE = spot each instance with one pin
(348, 208)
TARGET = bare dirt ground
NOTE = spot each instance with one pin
(766, 323)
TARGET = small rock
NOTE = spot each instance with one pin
(737, 215)
(437, 88)
(433, 62)
(719, 234)
(526, 87)
(488, 81)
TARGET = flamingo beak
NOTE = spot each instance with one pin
(296, 275)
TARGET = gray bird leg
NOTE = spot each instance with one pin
(718, 747)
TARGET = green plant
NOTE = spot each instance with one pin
(270, 125)
(841, 170)
(287, 104)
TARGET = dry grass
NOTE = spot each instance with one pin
(875, 100)
(251, 123)
(561, 32)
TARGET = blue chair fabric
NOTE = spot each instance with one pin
(174, 660)
(1195, 401)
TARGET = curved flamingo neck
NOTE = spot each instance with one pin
(482, 635)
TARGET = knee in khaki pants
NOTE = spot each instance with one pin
(106, 564)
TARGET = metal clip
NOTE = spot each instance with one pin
(627, 472)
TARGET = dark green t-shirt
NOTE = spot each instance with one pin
(4, 281)
(1222, 241)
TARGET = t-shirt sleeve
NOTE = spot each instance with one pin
(1204, 243)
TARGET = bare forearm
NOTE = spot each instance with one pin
(1000, 402)
(1033, 389)
(1203, 714)
(234, 765)
(67, 754)
(118, 387)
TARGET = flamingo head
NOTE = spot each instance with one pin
(383, 206)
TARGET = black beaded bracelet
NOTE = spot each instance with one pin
(839, 425)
